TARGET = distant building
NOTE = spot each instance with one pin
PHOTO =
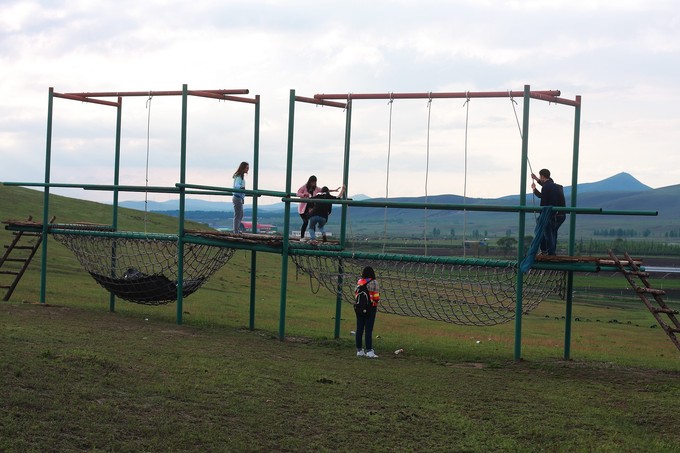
(261, 228)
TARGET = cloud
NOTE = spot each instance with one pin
(621, 56)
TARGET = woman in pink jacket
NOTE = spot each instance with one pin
(307, 191)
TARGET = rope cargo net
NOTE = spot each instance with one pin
(144, 270)
(471, 295)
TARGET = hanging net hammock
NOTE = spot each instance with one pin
(472, 295)
(144, 270)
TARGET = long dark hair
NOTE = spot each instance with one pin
(242, 169)
(368, 272)
(311, 184)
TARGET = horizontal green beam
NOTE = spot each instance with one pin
(188, 238)
(229, 190)
(621, 212)
(456, 207)
(116, 234)
(155, 189)
(200, 190)
(568, 266)
(216, 190)
(335, 252)
(405, 258)
(202, 240)
(553, 266)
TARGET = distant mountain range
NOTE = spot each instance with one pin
(621, 192)
(610, 190)
(195, 204)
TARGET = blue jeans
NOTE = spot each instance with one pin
(365, 324)
(238, 214)
(549, 239)
(313, 222)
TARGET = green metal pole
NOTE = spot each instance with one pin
(338, 298)
(587, 266)
(462, 207)
(116, 181)
(344, 213)
(46, 196)
(182, 204)
(253, 254)
(522, 223)
(572, 230)
(286, 217)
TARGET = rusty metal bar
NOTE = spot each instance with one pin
(75, 97)
(222, 97)
(556, 100)
(240, 99)
(320, 102)
(104, 94)
(431, 95)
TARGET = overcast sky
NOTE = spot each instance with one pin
(621, 56)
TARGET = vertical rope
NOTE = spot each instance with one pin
(465, 166)
(427, 166)
(387, 178)
(519, 127)
(521, 136)
(148, 135)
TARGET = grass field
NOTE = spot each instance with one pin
(76, 377)
(79, 379)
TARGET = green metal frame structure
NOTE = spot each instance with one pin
(346, 101)
(179, 189)
(286, 249)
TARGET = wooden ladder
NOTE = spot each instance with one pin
(631, 270)
(24, 251)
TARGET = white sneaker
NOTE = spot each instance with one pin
(371, 354)
(360, 353)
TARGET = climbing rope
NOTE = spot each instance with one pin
(148, 147)
(387, 177)
(427, 167)
(465, 170)
(519, 128)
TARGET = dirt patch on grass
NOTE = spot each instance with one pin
(476, 365)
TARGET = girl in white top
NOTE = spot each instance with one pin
(238, 198)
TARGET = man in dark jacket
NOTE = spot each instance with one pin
(319, 212)
(551, 194)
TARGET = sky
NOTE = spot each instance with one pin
(621, 56)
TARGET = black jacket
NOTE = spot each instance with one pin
(551, 194)
(322, 209)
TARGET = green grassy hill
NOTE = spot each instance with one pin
(17, 203)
